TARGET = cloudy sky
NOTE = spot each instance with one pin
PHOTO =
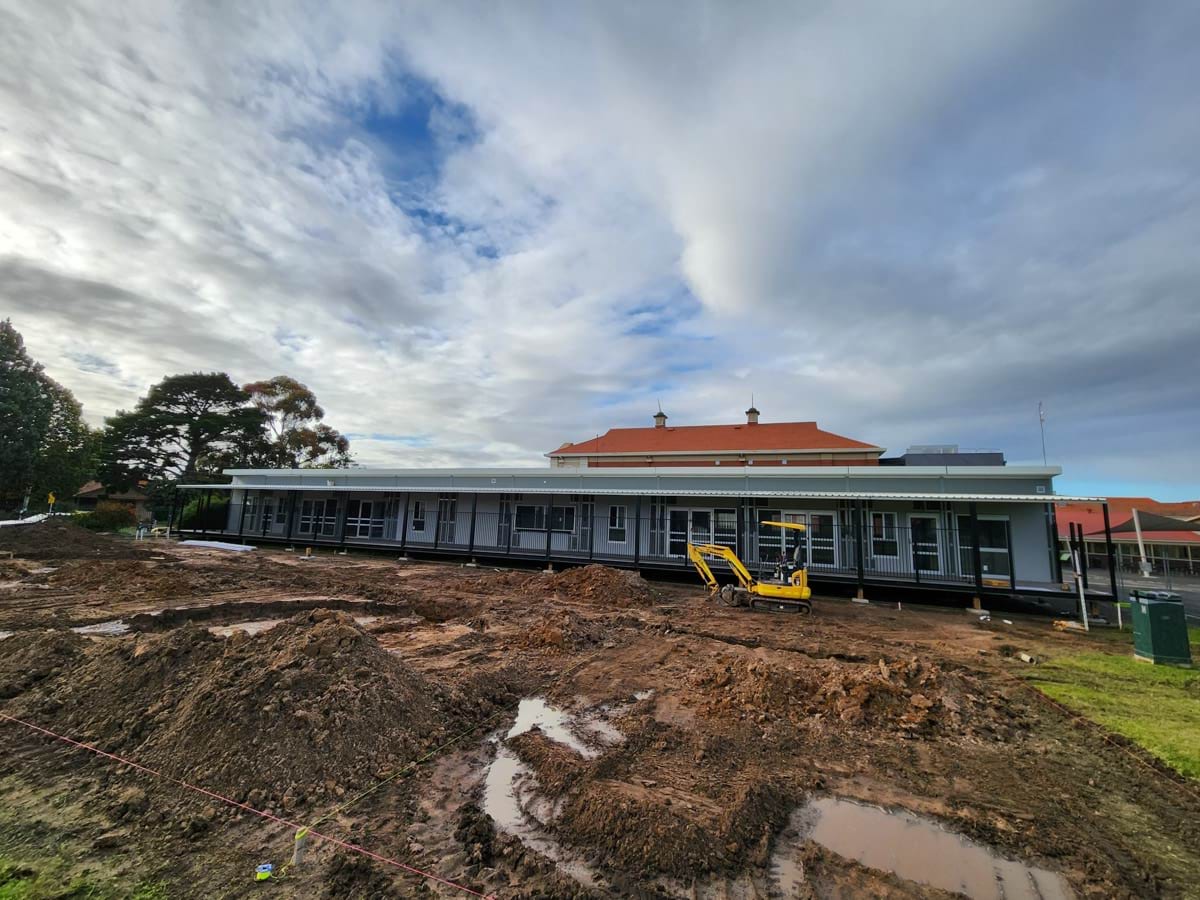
(477, 230)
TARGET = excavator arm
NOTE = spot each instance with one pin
(697, 553)
(792, 596)
(701, 564)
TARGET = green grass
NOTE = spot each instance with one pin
(48, 880)
(1158, 707)
(1112, 637)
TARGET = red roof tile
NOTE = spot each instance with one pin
(773, 436)
(1156, 537)
(1120, 511)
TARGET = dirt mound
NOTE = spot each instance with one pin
(908, 695)
(594, 584)
(644, 831)
(633, 824)
(16, 569)
(310, 708)
(59, 538)
(563, 632)
(31, 657)
(161, 579)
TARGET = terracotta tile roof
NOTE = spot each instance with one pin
(773, 436)
(96, 489)
(1157, 537)
(1120, 513)
(92, 487)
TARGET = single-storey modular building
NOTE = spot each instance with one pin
(979, 529)
(935, 518)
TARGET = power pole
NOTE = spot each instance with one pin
(1042, 426)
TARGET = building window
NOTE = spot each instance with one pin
(562, 518)
(616, 524)
(318, 517)
(364, 518)
(447, 520)
(883, 534)
(533, 518)
(418, 515)
(725, 527)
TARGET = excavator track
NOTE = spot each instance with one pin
(774, 604)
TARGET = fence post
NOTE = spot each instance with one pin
(740, 543)
(859, 515)
(976, 556)
(592, 530)
(1083, 557)
(343, 509)
(637, 532)
(291, 514)
(1057, 552)
(204, 515)
(1108, 551)
(267, 521)
(912, 551)
(512, 519)
(437, 523)
(471, 540)
(548, 523)
(404, 523)
(1012, 562)
(242, 514)
(176, 495)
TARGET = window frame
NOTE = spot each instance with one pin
(418, 515)
(558, 519)
(618, 516)
(883, 538)
(536, 520)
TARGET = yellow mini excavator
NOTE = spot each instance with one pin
(788, 591)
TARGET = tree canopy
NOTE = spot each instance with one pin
(44, 444)
(187, 426)
(69, 448)
(297, 436)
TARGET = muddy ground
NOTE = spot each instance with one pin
(582, 734)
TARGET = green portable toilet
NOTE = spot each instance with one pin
(1159, 630)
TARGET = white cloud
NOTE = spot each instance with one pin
(908, 222)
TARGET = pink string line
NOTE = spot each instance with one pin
(338, 842)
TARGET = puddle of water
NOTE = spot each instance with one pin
(103, 629)
(258, 626)
(788, 874)
(499, 795)
(501, 801)
(43, 570)
(4, 634)
(920, 850)
(605, 731)
(509, 793)
(255, 627)
(552, 721)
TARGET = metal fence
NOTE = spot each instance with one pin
(921, 553)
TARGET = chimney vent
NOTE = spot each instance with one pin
(752, 416)
(660, 419)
